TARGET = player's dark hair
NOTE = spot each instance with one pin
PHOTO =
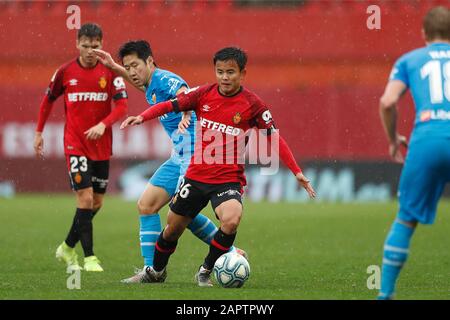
(232, 53)
(436, 24)
(90, 30)
(139, 47)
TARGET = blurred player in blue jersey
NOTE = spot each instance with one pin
(160, 85)
(426, 170)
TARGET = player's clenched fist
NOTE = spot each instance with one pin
(39, 144)
(131, 121)
(306, 184)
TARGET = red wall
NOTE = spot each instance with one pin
(318, 65)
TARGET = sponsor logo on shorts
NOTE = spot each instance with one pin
(230, 192)
(102, 182)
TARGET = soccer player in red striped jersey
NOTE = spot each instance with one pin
(89, 88)
(226, 111)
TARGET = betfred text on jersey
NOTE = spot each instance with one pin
(87, 96)
(214, 146)
(213, 125)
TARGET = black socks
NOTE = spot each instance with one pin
(220, 244)
(82, 230)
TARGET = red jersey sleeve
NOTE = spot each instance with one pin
(286, 155)
(262, 118)
(188, 100)
(54, 90)
(56, 86)
(118, 88)
(119, 95)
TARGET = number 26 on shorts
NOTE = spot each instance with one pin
(184, 191)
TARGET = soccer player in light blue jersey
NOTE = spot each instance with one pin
(426, 73)
(160, 85)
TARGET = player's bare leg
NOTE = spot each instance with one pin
(98, 203)
(229, 214)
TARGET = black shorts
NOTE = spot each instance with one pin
(193, 196)
(86, 173)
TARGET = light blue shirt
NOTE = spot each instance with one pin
(164, 86)
(426, 72)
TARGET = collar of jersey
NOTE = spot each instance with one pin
(151, 79)
(234, 95)
(81, 66)
(439, 44)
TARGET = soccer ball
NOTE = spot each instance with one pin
(231, 270)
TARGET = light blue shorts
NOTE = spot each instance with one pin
(169, 175)
(424, 176)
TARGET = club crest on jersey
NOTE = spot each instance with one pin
(237, 118)
(102, 82)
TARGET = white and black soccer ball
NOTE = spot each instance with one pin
(231, 270)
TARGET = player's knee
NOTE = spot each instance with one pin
(96, 207)
(230, 223)
(85, 199)
(172, 233)
(147, 207)
(98, 203)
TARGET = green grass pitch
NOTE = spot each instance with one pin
(297, 251)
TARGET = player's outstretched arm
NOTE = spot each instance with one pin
(388, 114)
(131, 121)
(106, 58)
(305, 183)
(288, 159)
(153, 112)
